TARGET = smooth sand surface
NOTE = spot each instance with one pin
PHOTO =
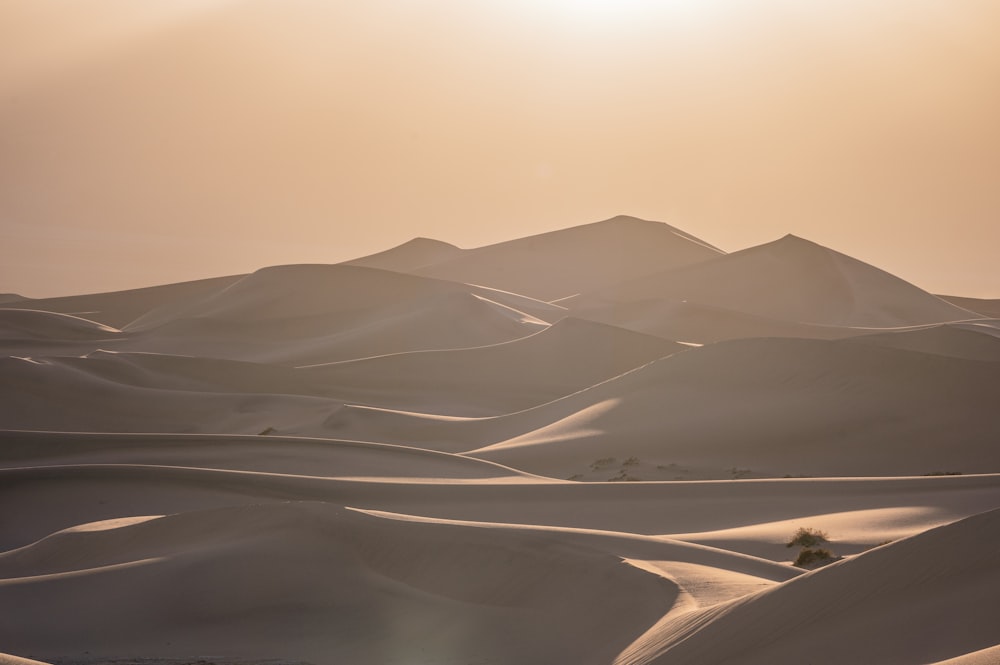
(409, 256)
(793, 279)
(559, 264)
(589, 446)
(565, 358)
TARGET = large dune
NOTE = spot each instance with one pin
(587, 446)
(867, 609)
(311, 314)
(767, 407)
(567, 357)
(558, 264)
(697, 322)
(975, 342)
(119, 308)
(409, 256)
(792, 279)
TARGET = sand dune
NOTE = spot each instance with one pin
(30, 326)
(792, 279)
(562, 263)
(26, 332)
(119, 308)
(48, 485)
(64, 394)
(411, 255)
(318, 582)
(770, 407)
(984, 306)
(133, 555)
(512, 376)
(275, 315)
(767, 407)
(923, 599)
(250, 397)
(697, 322)
(271, 454)
(379, 461)
(946, 340)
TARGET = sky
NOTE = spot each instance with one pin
(164, 140)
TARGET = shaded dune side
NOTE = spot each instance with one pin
(25, 332)
(411, 255)
(67, 395)
(955, 341)
(457, 320)
(697, 322)
(42, 499)
(119, 308)
(794, 280)
(89, 393)
(922, 599)
(271, 454)
(554, 265)
(33, 325)
(300, 315)
(778, 407)
(324, 584)
(302, 291)
(985, 306)
(512, 376)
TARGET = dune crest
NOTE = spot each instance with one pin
(589, 446)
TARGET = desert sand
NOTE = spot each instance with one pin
(589, 446)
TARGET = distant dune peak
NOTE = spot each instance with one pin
(557, 264)
(628, 220)
(411, 255)
(790, 279)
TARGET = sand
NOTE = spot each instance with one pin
(588, 446)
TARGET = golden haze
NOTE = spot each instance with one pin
(151, 142)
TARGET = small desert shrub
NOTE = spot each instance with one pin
(631, 461)
(809, 557)
(944, 473)
(807, 538)
(602, 463)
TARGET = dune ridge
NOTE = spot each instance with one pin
(796, 280)
(587, 446)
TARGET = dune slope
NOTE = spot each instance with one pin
(320, 583)
(796, 280)
(558, 264)
(919, 600)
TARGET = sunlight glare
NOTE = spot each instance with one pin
(632, 9)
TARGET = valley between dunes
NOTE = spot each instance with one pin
(588, 446)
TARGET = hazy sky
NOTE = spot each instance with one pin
(154, 141)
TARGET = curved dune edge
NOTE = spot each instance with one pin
(335, 464)
(922, 599)
(320, 583)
